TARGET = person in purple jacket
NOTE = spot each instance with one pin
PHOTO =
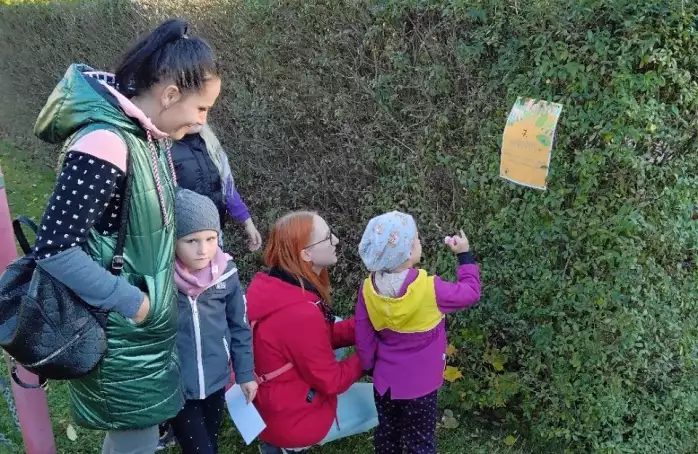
(401, 329)
(202, 166)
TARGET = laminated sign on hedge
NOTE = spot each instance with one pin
(528, 142)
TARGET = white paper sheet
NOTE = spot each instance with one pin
(245, 416)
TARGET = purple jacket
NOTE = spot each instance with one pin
(235, 206)
(411, 365)
(197, 171)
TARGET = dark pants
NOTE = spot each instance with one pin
(196, 425)
(405, 424)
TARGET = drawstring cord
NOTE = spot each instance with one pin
(154, 160)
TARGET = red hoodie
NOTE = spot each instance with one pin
(298, 406)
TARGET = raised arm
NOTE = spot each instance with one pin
(454, 296)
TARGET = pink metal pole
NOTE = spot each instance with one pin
(32, 406)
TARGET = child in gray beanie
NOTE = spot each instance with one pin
(213, 325)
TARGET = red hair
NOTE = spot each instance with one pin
(290, 235)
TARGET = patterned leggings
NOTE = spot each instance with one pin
(197, 424)
(408, 424)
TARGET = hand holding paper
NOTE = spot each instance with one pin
(245, 416)
(249, 389)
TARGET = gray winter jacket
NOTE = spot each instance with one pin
(213, 328)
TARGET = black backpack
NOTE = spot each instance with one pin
(45, 326)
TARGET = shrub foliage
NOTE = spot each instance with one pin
(585, 339)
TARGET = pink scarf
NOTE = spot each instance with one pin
(193, 283)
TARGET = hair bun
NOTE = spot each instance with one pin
(166, 54)
(173, 30)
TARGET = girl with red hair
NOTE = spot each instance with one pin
(307, 395)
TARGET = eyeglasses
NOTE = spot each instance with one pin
(330, 237)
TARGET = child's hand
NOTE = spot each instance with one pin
(249, 389)
(254, 239)
(458, 244)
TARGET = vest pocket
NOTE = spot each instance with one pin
(148, 284)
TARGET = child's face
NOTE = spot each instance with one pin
(196, 250)
(416, 252)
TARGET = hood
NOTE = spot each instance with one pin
(267, 295)
(84, 96)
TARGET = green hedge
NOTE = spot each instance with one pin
(586, 336)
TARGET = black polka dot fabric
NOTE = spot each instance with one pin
(87, 195)
(196, 426)
(406, 426)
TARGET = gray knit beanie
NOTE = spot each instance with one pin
(194, 213)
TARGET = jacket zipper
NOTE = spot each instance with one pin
(66, 346)
(227, 351)
(197, 333)
(199, 354)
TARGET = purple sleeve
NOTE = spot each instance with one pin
(454, 296)
(235, 205)
(366, 336)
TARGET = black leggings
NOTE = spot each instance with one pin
(196, 425)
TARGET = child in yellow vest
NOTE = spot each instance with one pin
(401, 329)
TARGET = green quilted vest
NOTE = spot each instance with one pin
(137, 384)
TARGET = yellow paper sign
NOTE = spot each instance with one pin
(528, 142)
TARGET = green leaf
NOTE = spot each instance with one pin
(576, 362)
(496, 358)
(448, 421)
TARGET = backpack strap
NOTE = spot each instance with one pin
(19, 233)
(273, 374)
(117, 260)
(14, 372)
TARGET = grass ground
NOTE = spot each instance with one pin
(28, 185)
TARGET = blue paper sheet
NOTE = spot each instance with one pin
(245, 416)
